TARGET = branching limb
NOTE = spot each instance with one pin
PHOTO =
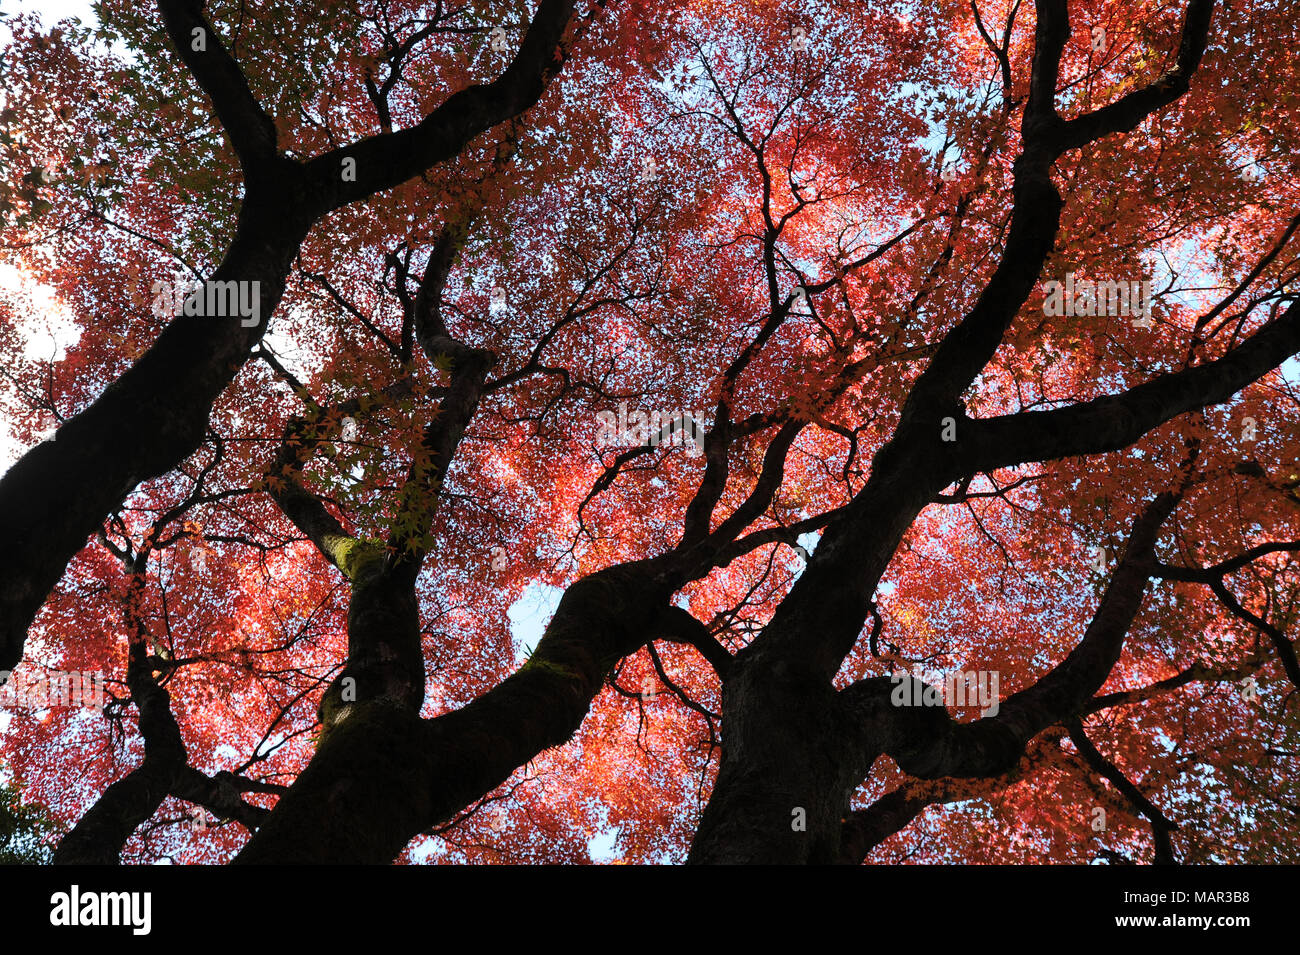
(1160, 824)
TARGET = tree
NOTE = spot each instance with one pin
(899, 408)
(25, 830)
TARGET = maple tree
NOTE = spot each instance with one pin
(818, 237)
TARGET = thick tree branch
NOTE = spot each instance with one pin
(1160, 824)
(389, 159)
(678, 626)
(1131, 109)
(1116, 421)
(251, 130)
(102, 831)
(926, 742)
(219, 795)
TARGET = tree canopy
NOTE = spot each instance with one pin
(892, 409)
